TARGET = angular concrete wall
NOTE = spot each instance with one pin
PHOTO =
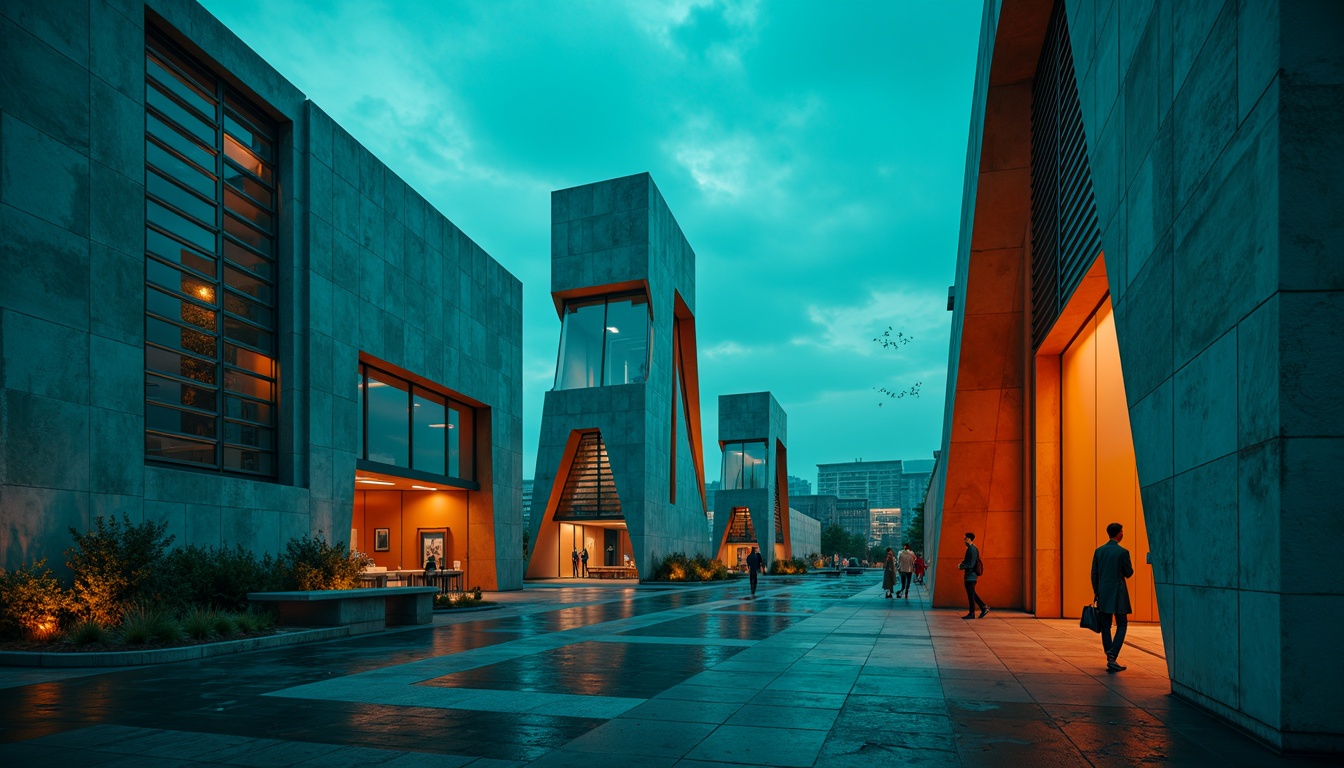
(617, 235)
(366, 265)
(1215, 135)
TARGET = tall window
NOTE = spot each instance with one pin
(744, 465)
(603, 342)
(210, 226)
(406, 425)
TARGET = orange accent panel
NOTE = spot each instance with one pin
(691, 391)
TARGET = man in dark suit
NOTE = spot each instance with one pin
(1110, 567)
(971, 569)
(754, 563)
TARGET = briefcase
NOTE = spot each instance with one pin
(1091, 620)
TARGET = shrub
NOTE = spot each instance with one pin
(469, 599)
(680, 567)
(788, 567)
(216, 577)
(90, 632)
(315, 564)
(142, 625)
(114, 565)
(32, 604)
(249, 623)
(225, 624)
(199, 624)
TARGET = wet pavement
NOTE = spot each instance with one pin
(813, 672)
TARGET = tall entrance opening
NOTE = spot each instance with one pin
(584, 518)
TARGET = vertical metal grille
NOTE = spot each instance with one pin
(779, 523)
(590, 490)
(1065, 236)
(210, 294)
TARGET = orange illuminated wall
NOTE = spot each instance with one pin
(1098, 479)
(405, 514)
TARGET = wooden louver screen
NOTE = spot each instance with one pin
(590, 490)
(1065, 236)
(740, 528)
(779, 524)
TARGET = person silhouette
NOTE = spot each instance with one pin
(574, 562)
(583, 558)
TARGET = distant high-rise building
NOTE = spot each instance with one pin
(854, 517)
(885, 484)
(527, 503)
(799, 486)
(819, 508)
(886, 527)
(711, 488)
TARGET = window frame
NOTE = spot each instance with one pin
(605, 300)
(466, 431)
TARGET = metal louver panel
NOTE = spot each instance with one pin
(779, 523)
(590, 490)
(1065, 236)
(740, 528)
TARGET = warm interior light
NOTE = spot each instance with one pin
(613, 329)
(423, 488)
(375, 482)
(377, 384)
(205, 293)
(436, 426)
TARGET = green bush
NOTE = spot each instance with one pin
(680, 567)
(788, 567)
(217, 577)
(115, 564)
(315, 564)
(32, 604)
(251, 623)
(225, 624)
(199, 624)
(90, 632)
(469, 599)
(141, 625)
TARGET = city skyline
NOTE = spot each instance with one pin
(747, 115)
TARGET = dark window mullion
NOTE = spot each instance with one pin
(219, 249)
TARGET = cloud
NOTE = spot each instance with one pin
(851, 328)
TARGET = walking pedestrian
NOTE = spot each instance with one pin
(753, 568)
(583, 559)
(889, 573)
(574, 562)
(920, 565)
(906, 564)
(972, 566)
(1110, 567)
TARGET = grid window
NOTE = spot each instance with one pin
(210, 225)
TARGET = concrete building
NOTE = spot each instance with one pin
(799, 486)
(203, 276)
(886, 528)
(855, 516)
(620, 463)
(750, 508)
(1146, 331)
(527, 503)
(819, 508)
(884, 484)
(804, 535)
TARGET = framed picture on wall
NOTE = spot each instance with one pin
(381, 539)
(433, 542)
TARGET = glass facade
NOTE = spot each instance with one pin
(604, 342)
(211, 392)
(405, 425)
(745, 465)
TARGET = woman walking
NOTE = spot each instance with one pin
(889, 572)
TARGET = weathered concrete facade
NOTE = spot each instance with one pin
(608, 238)
(754, 418)
(1213, 133)
(368, 270)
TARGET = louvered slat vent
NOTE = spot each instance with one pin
(1065, 236)
(590, 490)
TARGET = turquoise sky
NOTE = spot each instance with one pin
(813, 153)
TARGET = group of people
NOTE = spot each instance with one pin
(1111, 566)
(908, 564)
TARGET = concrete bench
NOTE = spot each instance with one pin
(612, 572)
(363, 610)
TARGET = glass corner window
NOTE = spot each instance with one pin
(409, 426)
(604, 342)
(744, 466)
